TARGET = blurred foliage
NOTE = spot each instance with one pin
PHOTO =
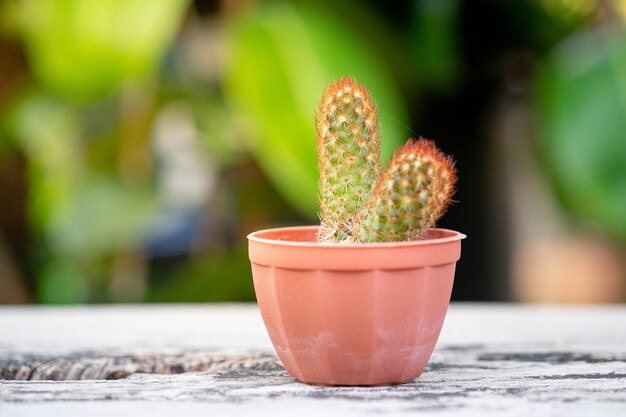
(436, 43)
(582, 104)
(282, 56)
(110, 119)
(84, 49)
(568, 10)
(221, 271)
(154, 136)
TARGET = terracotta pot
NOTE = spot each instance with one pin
(353, 314)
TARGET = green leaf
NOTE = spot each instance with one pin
(582, 109)
(83, 49)
(435, 35)
(48, 133)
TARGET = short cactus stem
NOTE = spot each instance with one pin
(348, 150)
(410, 196)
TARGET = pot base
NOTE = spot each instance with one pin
(382, 384)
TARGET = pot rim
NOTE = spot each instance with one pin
(452, 235)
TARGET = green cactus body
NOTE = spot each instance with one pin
(410, 196)
(359, 204)
(348, 150)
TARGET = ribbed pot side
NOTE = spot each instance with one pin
(367, 314)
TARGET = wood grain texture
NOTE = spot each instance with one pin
(101, 365)
(491, 360)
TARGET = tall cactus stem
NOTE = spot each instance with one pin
(348, 149)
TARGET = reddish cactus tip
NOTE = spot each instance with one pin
(344, 84)
(423, 147)
(345, 81)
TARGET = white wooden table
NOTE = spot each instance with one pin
(504, 360)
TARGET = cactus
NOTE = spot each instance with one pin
(410, 196)
(357, 204)
(348, 151)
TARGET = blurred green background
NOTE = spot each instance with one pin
(141, 141)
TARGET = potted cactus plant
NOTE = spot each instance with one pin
(361, 298)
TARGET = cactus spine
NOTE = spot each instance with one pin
(348, 149)
(357, 204)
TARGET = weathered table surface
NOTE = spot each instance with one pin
(209, 360)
